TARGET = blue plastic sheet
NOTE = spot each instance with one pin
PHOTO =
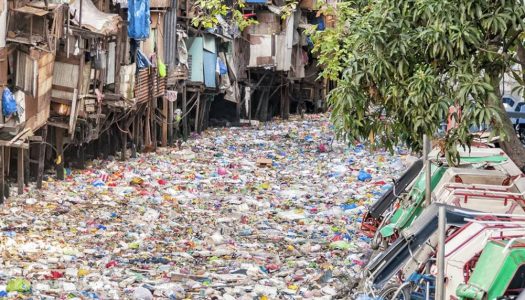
(222, 66)
(138, 19)
(8, 103)
(142, 60)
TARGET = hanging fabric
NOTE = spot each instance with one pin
(138, 19)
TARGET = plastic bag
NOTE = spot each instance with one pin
(142, 60)
(138, 19)
(18, 285)
(162, 68)
(8, 103)
(223, 69)
(364, 176)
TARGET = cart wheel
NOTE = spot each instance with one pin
(390, 290)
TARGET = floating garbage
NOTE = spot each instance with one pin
(235, 213)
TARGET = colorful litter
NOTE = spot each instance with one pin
(236, 213)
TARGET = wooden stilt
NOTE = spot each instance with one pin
(20, 171)
(27, 169)
(7, 166)
(170, 123)
(164, 139)
(185, 132)
(41, 158)
(147, 128)
(238, 103)
(134, 131)
(60, 152)
(282, 100)
(154, 123)
(124, 139)
(286, 114)
(2, 175)
(140, 131)
(197, 112)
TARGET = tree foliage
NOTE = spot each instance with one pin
(400, 64)
(207, 12)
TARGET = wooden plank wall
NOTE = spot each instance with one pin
(45, 63)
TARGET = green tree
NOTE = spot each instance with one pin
(400, 64)
(207, 12)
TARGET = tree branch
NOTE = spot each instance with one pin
(511, 41)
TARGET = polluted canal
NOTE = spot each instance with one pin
(268, 212)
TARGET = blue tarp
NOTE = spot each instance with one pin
(138, 19)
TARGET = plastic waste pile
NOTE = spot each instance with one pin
(238, 213)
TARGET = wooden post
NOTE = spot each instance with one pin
(2, 175)
(264, 106)
(197, 111)
(170, 123)
(134, 128)
(20, 170)
(164, 121)
(147, 128)
(118, 46)
(41, 158)
(238, 103)
(27, 169)
(287, 104)
(59, 132)
(7, 164)
(124, 138)
(140, 130)
(154, 122)
(184, 112)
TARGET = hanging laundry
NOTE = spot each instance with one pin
(138, 19)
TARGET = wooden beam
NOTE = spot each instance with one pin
(147, 128)
(184, 113)
(61, 100)
(164, 121)
(59, 136)
(118, 46)
(20, 171)
(135, 134)
(58, 124)
(27, 168)
(41, 158)
(2, 175)
(124, 138)
(154, 122)
(7, 156)
(197, 112)
(170, 123)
